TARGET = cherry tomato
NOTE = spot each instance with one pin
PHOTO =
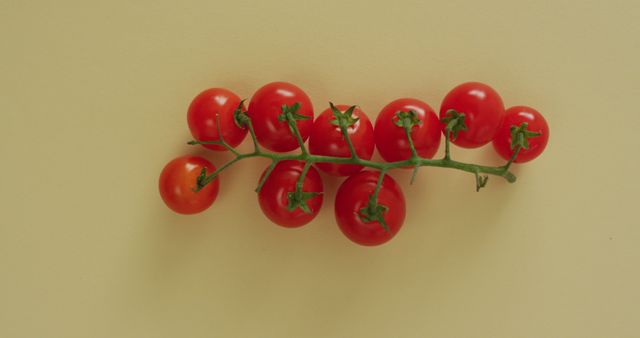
(202, 118)
(327, 139)
(515, 116)
(483, 111)
(391, 140)
(353, 195)
(266, 106)
(177, 181)
(274, 195)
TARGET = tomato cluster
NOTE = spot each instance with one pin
(369, 209)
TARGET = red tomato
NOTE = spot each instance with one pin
(265, 108)
(274, 195)
(202, 118)
(177, 181)
(327, 139)
(391, 140)
(515, 116)
(483, 111)
(353, 195)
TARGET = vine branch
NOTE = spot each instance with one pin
(454, 123)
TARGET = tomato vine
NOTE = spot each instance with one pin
(370, 207)
(454, 123)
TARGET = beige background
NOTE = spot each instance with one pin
(93, 99)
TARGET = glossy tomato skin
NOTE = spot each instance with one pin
(201, 117)
(483, 109)
(265, 107)
(515, 116)
(273, 197)
(391, 140)
(353, 195)
(327, 139)
(177, 180)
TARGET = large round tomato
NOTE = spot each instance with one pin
(274, 197)
(391, 140)
(327, 139)
(177, 181)
(202, 118)
(353, 196)
(265, 108)
(483, 109)
(515, 116)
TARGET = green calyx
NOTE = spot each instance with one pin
(201, 180)
(520, 136)
(407, 119)
(345, 118)
(374, 212)
(298, 199)
(240, 117)
(481, 181)
(454, 121)
(290, 113)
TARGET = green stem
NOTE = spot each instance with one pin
(300, 181)
(215, 174)
(513, 157)
(413, 174)
(256, 146)
(407, 132)
(447, 142)
(220, 142)
(374, 196)
(309, 159)
(345, 133)
(414, 152)
(296, 133)
(421, 162)
(266, 175)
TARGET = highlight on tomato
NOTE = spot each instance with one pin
(178, 182)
